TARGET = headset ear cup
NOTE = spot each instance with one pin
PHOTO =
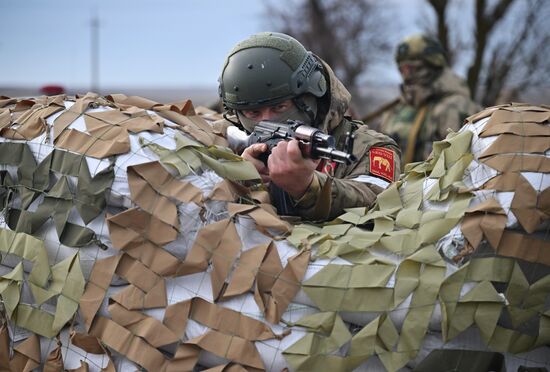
(307, 103)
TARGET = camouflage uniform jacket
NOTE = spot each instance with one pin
(447, 103)
(339, 186)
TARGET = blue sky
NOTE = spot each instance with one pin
(177, 44)
(166, 43)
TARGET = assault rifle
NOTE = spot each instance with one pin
(313, 142)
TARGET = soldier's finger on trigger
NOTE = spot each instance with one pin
(258, 149)
(280, 150)
(293, 151)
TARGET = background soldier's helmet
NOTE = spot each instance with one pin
(421, 47)
(269, 68)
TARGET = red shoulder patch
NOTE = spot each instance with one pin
(327, 167)
(382, 162)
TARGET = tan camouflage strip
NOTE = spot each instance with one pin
(205, 244)
(166, 184)
(27, 117)
(521, 128)
(30, 124)
(275, 289)
(518, 163)
(133, 120)
(133, 226)
(150, 329)
(525, 247)
(222, 259)
(126, 343)
(123, 102)
(54, 360)
(5, 345)
(95, 147)
(130, 233)
(152, 187)
(510, 119)
(87, 343)
(230, 347)
(245, 273)
(150, 200)
(229, 367)
(509, 143)
(5, 118)
(530, 207)
(107, 130)
(69, 116)
(96, 288)
(146, 289)
(196, 126)
(264, 214)
(49, 100)
(488, 220)
(26, 355)
(231, 335)
(223, 191)
(5, 101)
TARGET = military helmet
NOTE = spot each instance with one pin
(269, 68)
(421, 47)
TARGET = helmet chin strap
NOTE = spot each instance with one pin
(236, 123)
(246, 123)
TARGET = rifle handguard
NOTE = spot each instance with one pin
(313, 142)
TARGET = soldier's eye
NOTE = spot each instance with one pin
(251, 114)
(282, 107)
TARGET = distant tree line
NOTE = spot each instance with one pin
(505, 43)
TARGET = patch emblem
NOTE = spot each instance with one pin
(327, 167)
(382, 162)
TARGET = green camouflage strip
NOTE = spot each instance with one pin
(190, 157)
(33, 180)
(64, 280)
(400, 227)
(482, 306)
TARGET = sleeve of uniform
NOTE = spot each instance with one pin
(451, 112)
(356, 185)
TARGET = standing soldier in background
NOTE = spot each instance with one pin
(433, 99)
(271, 76)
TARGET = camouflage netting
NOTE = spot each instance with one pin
(129, 240)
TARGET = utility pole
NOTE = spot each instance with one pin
(94, 62)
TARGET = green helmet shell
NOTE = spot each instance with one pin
(421, 47)
(269, 68)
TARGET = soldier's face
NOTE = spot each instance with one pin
(409, 69)
(280, 112)
(269, 112)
